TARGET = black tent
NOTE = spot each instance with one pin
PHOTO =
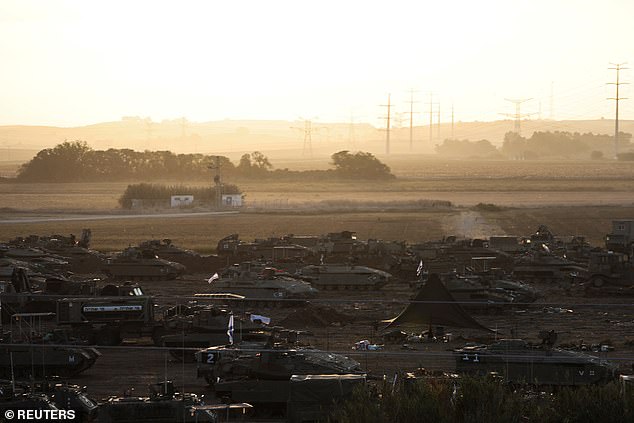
(434, 305)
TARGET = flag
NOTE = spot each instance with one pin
(213, 278)
(262, 319)
(419, 270)
(230, 329)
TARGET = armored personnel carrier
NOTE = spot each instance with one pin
(261, 284)
(344, 277)
(135, 263)
(522, 363)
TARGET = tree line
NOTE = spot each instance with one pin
(542, 145)
(76, 161)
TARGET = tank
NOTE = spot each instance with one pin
(542, 266)
(186, 328)
(260, 374)
(519, 362)
(344, 277)
(485, 289)
(136, 263)
(163, 404)
(40, 360)
(193, 262)
(261, 284)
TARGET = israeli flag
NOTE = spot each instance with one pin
(419, 270)
(230, 329)
(213, 278)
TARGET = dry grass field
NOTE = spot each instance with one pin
(571, 197)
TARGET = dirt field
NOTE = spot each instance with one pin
(571, 198)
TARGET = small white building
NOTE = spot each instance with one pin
(232, 200)
(181, 200)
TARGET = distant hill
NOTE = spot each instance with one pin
(277, 139)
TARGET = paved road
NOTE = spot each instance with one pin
(43, 219)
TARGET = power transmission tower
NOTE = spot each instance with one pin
(518, 115)
(411, 119)
(217, 181)
(308, 136)
(387, 125)
(617, 67)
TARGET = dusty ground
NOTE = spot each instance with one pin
(576, 318)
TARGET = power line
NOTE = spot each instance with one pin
(517, 115)
(617, 67)
(387, 126)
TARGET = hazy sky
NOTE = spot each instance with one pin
(76, 62)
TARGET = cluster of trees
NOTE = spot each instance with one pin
(76, 162)
(162, 193)
(541, 145)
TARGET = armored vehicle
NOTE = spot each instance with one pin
(260, 374)
(135, 263)
(261, 284)
(186, 328)
(193, 262)
(41, 360)
(485, 289)
(542, 266)
(163, 404)
(522, 363)
(344, 276)
(608, 268)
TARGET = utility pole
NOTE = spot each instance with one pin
(431, 117)
(217, 181)
(411, 119)
(617, 67)
(438, 126)
(517, 116)
(387, 125)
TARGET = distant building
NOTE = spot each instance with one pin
(181, 200)
(232, 200)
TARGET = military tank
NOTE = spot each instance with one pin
(193, 262)
(260, 374)
(41, 360)
(261, 284)
(139, 264)
(199, 326)
(163, 404)
(519, 362)
(540, 265)
(344, 277)
(484, 290)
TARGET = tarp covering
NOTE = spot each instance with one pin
(434, 305)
